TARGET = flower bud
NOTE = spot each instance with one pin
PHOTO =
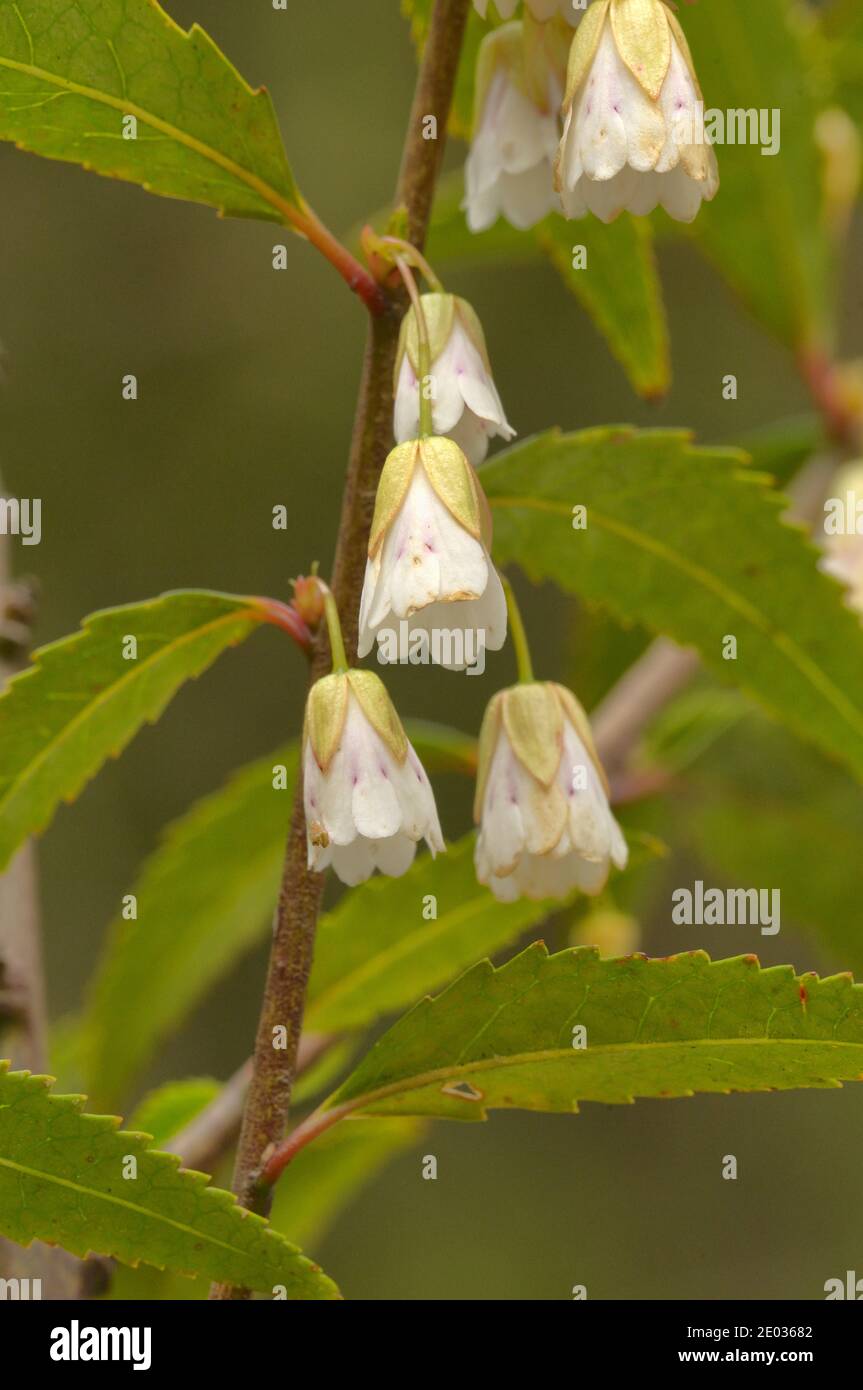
(842, 536)
(308, 599)
(546, 827)
(510, 166)
(634, 132)
(367, 798)
(466, 406)
(838, 140)
(429, 563)
(614, 933)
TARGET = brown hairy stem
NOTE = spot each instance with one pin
(269, 1096)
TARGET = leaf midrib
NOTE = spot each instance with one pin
(783, 643)
(104, 696)
(282, 205)
(467, 1069)
(135, 1207)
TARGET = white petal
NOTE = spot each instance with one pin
(472, 436)
(395, 855)
(680, 195)
(353, 863)
(528, 197)
(510, 161)
(366, 633)
(407, 406)
(427, 555)
(502, 832)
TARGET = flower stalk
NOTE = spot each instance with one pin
(518, 633)
(334, 629)
(269, 1098)
(423, 352)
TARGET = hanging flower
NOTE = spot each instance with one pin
(510, 166)
(367, 798)
(546, 827)
(465, 404)
(634, 133)
(541, 9)
(429, 565)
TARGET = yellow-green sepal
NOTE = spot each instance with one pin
(392, 488)
(643, 39)
(379, 710)
(546, 50)
(439, 313)
(584, 46)
(488, 736)
(533, 720)
(326, 710)
(574, 712)
(454, 482)
(683, 45)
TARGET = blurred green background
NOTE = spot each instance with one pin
(247, 379)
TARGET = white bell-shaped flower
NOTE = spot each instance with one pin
(465, 403)
(540, 9)
(510, 167)
(546, 827)
(367, 798)
(429, 565)
(634, 135)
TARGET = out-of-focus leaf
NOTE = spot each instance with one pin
(619, 288)
(507, 1038)
(203, 899)
(784, 446)
(73, 74)
(840, 29)
(764, 229)
(325, 1177)
(378, 951)
(164, 1112)
(692, 724)
(85, 697)
(62, 1181)
(762, 812)
(627, 308)
(689, 543)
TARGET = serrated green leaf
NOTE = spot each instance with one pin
(203, 899)
(81, 701)
(689, 543)
(73, 69)
(328, 1175)
(764, 229)
(377, 952)
(619, 286)
(503, 1039)
(61, 1181)
(164, 1112)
